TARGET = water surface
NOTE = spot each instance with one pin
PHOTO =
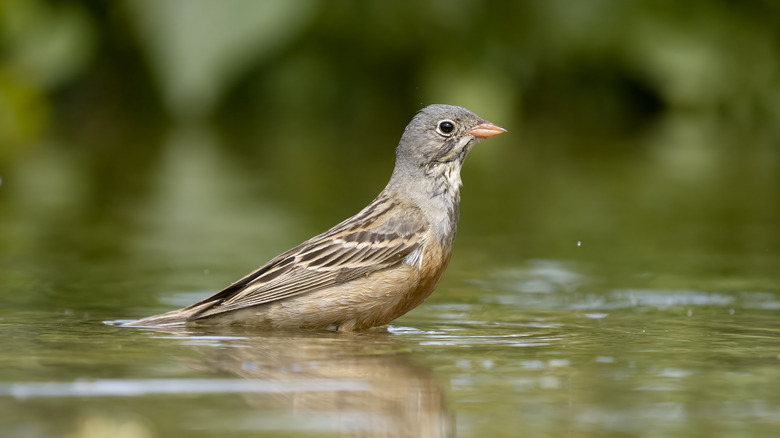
(586, 297)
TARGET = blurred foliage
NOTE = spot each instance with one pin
(44, 48)
(149, 147)
(613, 66)
(636, 124)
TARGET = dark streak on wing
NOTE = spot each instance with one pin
(369, 214)
(350, 250)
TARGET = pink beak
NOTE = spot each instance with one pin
(486, 130)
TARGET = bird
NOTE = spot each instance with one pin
(373, 267)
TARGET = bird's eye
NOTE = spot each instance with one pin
(445, 127)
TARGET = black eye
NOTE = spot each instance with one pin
(445, 127)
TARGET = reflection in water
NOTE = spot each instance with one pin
(357, 385)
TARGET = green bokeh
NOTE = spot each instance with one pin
(617, 266)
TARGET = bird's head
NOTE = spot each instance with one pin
(441, 134)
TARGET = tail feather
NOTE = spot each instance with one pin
(167, 319)
(174, 317)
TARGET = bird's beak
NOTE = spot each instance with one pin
(486, 130)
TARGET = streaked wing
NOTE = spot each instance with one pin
(372, 240)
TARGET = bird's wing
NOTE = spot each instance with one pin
(380, 236)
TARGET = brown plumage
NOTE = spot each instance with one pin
(374, 266)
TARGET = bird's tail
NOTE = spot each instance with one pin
(174, 317)
(168, 319)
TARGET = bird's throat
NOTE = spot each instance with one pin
(445, 195)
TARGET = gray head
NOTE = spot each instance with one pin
(440, 135)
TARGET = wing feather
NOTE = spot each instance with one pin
(374, 239)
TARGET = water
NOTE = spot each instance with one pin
(601, 296)
(688, 366)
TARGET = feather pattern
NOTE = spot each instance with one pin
(368, 242)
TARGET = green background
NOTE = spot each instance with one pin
(617, 267)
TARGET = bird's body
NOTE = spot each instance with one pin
(374, 266)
